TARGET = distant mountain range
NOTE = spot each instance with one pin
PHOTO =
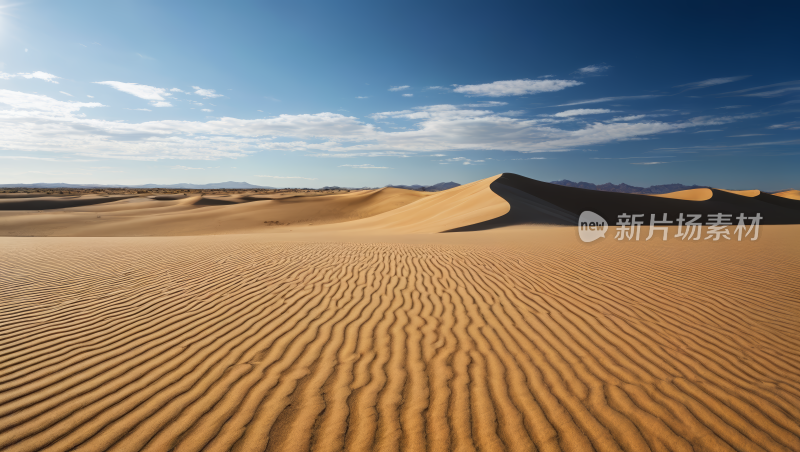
(218, 185)
(625, 188)
(435, 187)
(222, 185)
(441, 186)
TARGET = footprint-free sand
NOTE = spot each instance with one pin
(355, 322)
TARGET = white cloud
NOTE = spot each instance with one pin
(648, 163)
(35, 105)
(24, 157)
(582, 111)
(594, 68)
(362, 97)
(177, 90)
(141, 91)
(90, 97)
(184, 168)
(30, 75)
(66, 93)
(161, 104)
(795, 125)
(486, 104)
(40, 75)
(208, 110)
(710, 130)
(464, 160)
(437, 87)
(206, 93)
(628, 118)
(408, 95)
(749, 135)
(399, 88)
(43, 124)
(515, 87)
(290, 177)
(711, 82)
(365, 166)
(140, 109)
(609, 99)
(732, 106)
(774, 90)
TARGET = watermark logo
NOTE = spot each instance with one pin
(591, 226)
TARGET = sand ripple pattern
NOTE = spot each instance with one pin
(228, 345)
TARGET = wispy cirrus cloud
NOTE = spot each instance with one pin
(206, 93)
(39, 123)
(31, 75)
(463, 161)
(593, 69)
(610, 99)
(399, 88)
(768, 91)
(515, 87)
(711, 82)
(582, 112)
(156, 96)
(794, 125)
(365, 166)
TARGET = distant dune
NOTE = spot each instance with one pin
(500, 201)
(789, 194)
(327, 322)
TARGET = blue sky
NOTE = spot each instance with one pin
(299, 93)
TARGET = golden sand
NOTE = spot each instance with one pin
(380, 333)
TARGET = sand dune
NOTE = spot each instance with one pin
(348, 322)
(695, 194)
(790, 194)
(499, 201)
(747, 193)
(53, 202)
(197, 216)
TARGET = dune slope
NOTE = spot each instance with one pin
(535, 202)
(440, 211)
(790, 194)
(203, 216)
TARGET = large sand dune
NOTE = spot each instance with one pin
(370, 331)
(499, 201)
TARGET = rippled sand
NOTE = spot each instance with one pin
(513, 339)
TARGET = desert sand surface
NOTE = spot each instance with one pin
(790, 194)
(469, 319)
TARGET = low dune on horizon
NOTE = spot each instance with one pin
(468, 319)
